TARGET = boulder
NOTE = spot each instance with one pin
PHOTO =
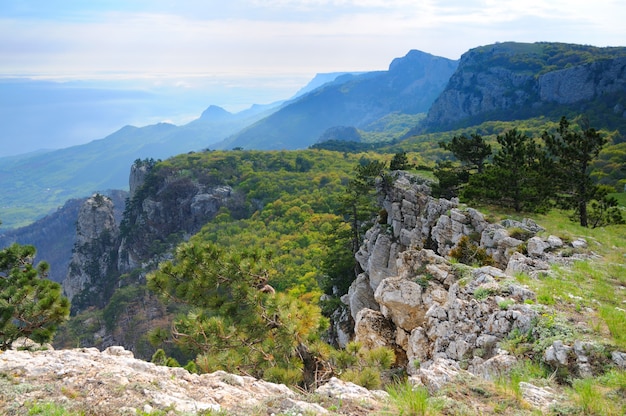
(558, 354)
(494, 367)
(344, 390)
(619, 358)
(361, 296)
(536, 247)
(435, 374)
(554, 242)
(373, 330)
(519, 263)
(539, 397)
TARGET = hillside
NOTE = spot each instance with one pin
(501, 83)
(516, 81)
(521, 338)
(36, 184)
(409, 86)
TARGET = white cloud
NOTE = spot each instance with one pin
(289, 39)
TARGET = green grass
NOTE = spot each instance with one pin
(592, 286)
(50, 409)
(413, 401)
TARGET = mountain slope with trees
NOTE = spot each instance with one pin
(516, 81)
(36, 184)
(409, 86)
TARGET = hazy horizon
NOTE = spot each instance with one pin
(150, 61)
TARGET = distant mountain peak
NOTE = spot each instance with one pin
(215, 112)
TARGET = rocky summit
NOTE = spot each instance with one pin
(113, 382)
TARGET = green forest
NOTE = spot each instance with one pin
(254, 291)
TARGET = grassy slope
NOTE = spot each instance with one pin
(585, 301)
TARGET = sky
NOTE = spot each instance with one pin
(178, 57)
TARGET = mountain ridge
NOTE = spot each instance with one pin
(512, 80)
(410, 85)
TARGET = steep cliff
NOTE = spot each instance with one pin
(94, 253)
(54, 235)
(509, 81)
(443, 316)
(165, 208)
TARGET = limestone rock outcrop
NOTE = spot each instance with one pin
(494, 79)
(434, 313)
(96, 238)
(178, 206)
(114, 382)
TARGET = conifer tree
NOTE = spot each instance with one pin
(30, 305)
(359, 202)
(472, 151)
(236, 321)
(400, 162)
(572, 153)
(515, 178)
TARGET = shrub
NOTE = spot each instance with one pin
(483, 293)
(467, 252)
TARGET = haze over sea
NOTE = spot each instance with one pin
(72, 72)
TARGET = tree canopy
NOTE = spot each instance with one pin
(30, 305)
(572, 153)
(236, 321)
(529, 174)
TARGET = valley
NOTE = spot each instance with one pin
(243, 244)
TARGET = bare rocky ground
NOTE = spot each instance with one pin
(90, 382)
(112, 382)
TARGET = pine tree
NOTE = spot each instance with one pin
(359, 202)
(236, 321)
(472, 151)
(30, 305)
(572, 153)
(400, 162)
(515, 178)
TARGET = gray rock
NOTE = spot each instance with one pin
(519, 263)
(96, 235)
(403, 302)
(539, 397)
(536, 247)
(373, 330)
(619, 358)
(555, 242)
(558, 354)
(338, 389)
(494, 367)
(361, 296)
(437, 373)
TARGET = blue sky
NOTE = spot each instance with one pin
(238, 52)
(166, 40)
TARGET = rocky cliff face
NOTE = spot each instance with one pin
(411, 298)
(584, 82)
(504, 82)
(94, 250)
(54, 235)
(172, 210)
